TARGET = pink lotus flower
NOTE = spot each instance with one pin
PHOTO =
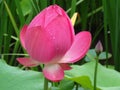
(50, 40)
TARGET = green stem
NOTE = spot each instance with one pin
(76, 86)
(77, 3)
(73, 7)
(34, 6)
(95, 73)
(45, 84)
(12, 19)
(105, 32)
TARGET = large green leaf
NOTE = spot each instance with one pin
(106, 79)
(66, 84)
(102, 55)
(84, 81)
(13, 78)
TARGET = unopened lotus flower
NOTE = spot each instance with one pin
(50, 40)
(99, 47)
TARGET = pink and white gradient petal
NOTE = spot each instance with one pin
(28, 62)
(78, 49)
(53, 72)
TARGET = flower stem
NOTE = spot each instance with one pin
(76, 86)
(45, 84)
(95, 73)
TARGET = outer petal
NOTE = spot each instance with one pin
(61, 35)
(53, 72)
(28, 62)
(78, 49)
(22, 35)
(39, 45)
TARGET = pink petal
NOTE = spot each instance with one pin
(61, 35)
(53, 72)
(65, 66)
(22, 35)
(78, 49)
(38, 45)
(28, 62)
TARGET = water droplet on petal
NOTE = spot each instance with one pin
(54, 38)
